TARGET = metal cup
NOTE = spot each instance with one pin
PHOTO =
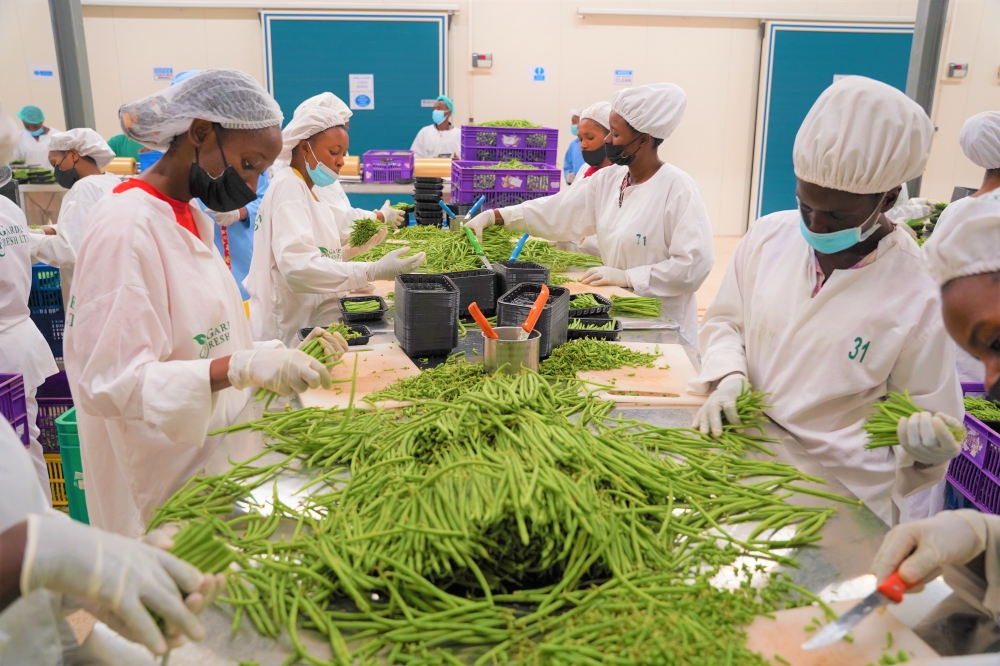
(508, 354)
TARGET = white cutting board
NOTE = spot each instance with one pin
(656, 386)
(383, 365)
(379, 288)
(607, 292)
(785, 634)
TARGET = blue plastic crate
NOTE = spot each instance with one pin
(148, 158)
(13, 405)
(46, 289)
(52, 324)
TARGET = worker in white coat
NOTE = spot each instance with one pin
(440, 138)
(158, 347)
(592, 131)
(53, 566)
(33, 142)
(77, 157)
(829, 307)
(299, 268)
(651, 224)
(23, 349)
(334, 194)
(964, 258)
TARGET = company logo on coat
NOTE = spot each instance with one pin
(212, 338)
(337, 254)
(10, 236)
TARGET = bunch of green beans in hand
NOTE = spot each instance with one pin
(636, 306)
(370, 305)
(196, 544)
(363, 230)
(882, 423)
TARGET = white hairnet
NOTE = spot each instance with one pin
(9, 132)
(225, 96)
(655, 109)
(980, 139)
(600, 113)
(307, 122)
(862, 136)
(969, 245)
(85, 141)
(329, 101)
(574, 112)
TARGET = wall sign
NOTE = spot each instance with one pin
(42, 72)
(623, 77)
(362, 91)
(538, 73)
(163, 74)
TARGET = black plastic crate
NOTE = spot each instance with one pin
(426, 321)
(355, 317)
(513, 308)
(612, 334)
(513, 273)
(603, 308)
(479, 287)
(365, 334)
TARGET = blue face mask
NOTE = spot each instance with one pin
(573, 129)
(437, 115)
(38, 132)
(322, 175)
(838, 241)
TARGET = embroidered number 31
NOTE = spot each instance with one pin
(860, 349)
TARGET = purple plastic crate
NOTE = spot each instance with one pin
(387, 166)
(13, 405)
(502, 187)
(495, 144)
(975, 473)
(54, 399)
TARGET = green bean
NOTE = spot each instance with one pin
(636, 306)
(509, 164)
(578, 325)
(368, 305)
(588, 354)
(363, 230)
(882, 423)
(508, 123)
(982, 409)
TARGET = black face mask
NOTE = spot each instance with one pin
(617, 153)
(595, 157)
(66, 178)
(226, 193)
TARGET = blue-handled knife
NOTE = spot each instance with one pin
(517, 248)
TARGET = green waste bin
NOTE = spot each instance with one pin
(69, 450)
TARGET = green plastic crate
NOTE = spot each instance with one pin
(69, 449)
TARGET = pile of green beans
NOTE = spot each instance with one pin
(509, 164)
(587, 354)
(636, 306)
(982, 409)
(578, 325)
(582, 301)
(512, 122)
(514, 516)
(369, 305)
(363, 230)
(882, 423)
(444, 382)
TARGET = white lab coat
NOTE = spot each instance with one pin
(825, 360)
(152, 305)
(34, 150)
(661, 233)
(23, 349)
(432, 142)
(297, 272)
(344, 213)
(32, 629)
(60, 250)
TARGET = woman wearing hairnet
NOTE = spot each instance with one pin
(158, 349)
(651, 224)
(77, 157)
(592, 130)
(804, 312)
(299, 265)
(964, 258)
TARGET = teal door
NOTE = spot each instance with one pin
(310, 53)
(802, 61)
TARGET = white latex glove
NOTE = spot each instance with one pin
(919, 550)
(380, 235)
(605, 276)
(283, 371)
(121, 577)
(225, 219)
(103, 646)
(333, 344)
(393, 264)
(390, 215)
(480, 222)
(721, 401)
(927, 438)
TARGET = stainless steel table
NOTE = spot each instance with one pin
(353, 185)
(837, 569)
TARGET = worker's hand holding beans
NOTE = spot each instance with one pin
(390, 215)
(482, 222)
(334, 345)
(394, 263)
(380, 235)
(115, 578)
(721, 401)
(281, 371)
(928, 438)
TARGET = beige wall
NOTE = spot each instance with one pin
(714, 60)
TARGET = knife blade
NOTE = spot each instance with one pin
(890, 591)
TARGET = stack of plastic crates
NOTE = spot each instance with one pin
(46, 305)
(54, 400)
(387, 166)
(13, 405)
(72, 466)
(484, 148)
(975, 473)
